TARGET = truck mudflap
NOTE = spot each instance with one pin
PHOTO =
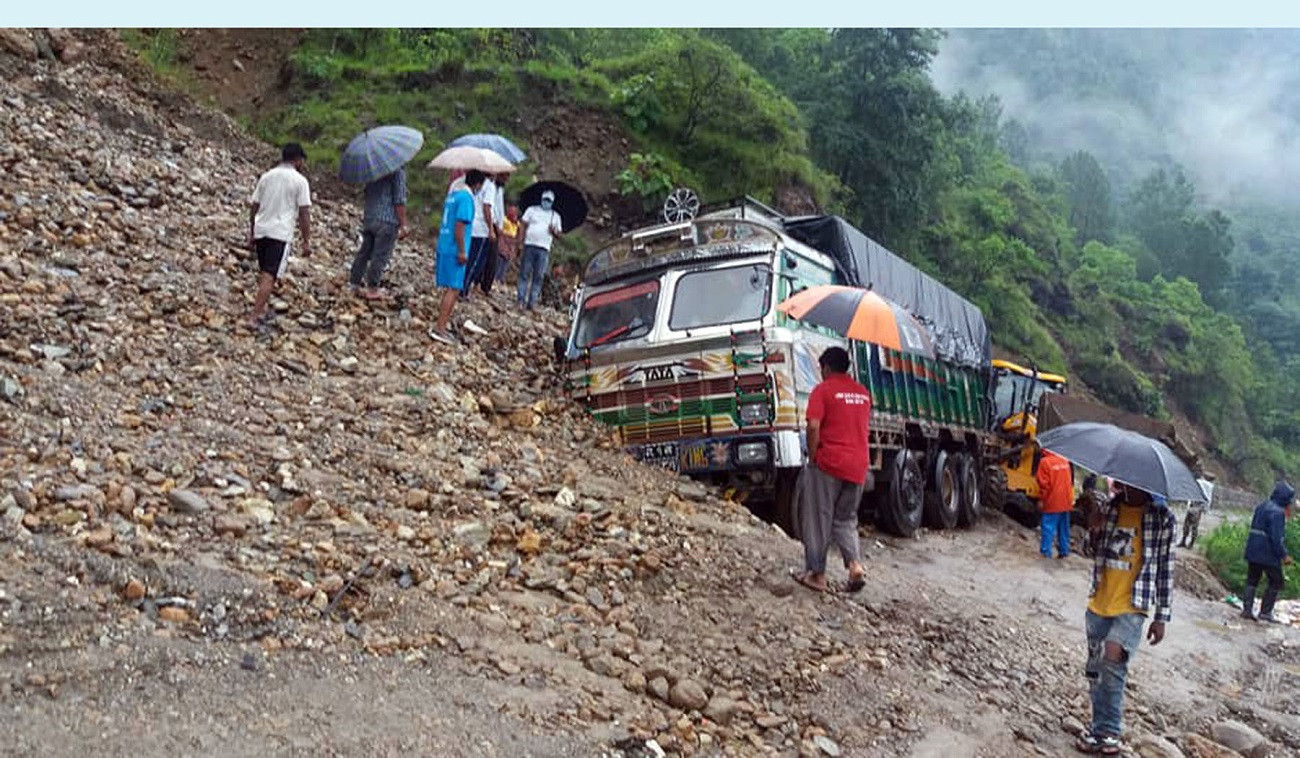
(717, 454)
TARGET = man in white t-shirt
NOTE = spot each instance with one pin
(484, 232)
(541, 224)
(281, 198)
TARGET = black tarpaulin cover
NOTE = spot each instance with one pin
(956, 326)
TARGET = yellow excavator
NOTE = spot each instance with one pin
(1018, 397)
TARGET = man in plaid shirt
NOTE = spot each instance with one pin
(1132, 578)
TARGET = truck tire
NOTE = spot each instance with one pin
(786, 507)
(904, 497)
(943, 492)
(995, 488)
(972, 500)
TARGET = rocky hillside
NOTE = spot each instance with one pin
(231, 541)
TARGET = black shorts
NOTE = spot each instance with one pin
(270, 253)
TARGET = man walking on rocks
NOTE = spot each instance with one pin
(282, 196)
(1266, 551)
(1132, 578)
(383, 224)
(454, 249)
(839, 410)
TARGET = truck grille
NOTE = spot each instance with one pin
(663, 431)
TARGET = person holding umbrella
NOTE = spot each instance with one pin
(1132, 581)
(376, 158)
(382, 225)
(454, 248)
(1266, 551)
(540, 225)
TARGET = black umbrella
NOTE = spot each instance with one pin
(1124, 456)
(569, 202)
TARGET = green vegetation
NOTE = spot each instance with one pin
(1225, 546)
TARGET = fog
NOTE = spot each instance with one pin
(1223, 103)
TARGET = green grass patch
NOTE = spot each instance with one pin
(1225, 548)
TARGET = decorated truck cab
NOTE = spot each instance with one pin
(677, 344)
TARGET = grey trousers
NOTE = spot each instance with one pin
(828, 513)
(377, 243)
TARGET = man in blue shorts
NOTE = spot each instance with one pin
(453, 249)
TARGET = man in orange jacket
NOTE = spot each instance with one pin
(1056, 499)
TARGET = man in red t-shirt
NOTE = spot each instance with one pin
(839, 411)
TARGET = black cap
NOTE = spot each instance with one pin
(292, 152)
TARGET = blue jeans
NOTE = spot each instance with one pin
(532, 270)
(1055, 525)
(478, 250)
(1106, 677)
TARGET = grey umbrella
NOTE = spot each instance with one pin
(1125, 456)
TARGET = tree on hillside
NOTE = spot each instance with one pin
(1186, 244)
(1089, 198)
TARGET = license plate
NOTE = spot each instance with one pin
(662, 454)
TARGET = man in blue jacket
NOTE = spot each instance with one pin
(1266, 551)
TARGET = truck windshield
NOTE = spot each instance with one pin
(1013, 391)
(618, 314)
(721, 296)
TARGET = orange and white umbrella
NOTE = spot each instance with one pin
(859, 314)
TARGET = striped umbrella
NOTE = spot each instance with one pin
(859, 314)
(494, 142)
(378, 152)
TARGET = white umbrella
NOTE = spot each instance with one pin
(466, 158)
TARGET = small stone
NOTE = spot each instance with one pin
(1236, 736)
(229, 524)
(187, 501)
(134, 590)
(688, 695)
(405, 532)
(634, 681)
(658, 686)
(826, 745)
(1071, 725)
(319, 600)
(720, 710)
(417, 499)
(174, 615)
(1151, 746)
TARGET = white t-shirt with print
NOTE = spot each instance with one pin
(279, 194)
(543, 225)
(486, 194)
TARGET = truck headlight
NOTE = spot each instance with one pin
(753, 413)
(751, 452)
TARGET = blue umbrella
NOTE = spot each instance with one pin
(494, 142)
(378, 152)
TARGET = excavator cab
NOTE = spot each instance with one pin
(1017, 399)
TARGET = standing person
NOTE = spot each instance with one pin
(484, 231)
(1056, 500)
(1266, 551)
(282, 196)
(508, 246)
(1132, 578)
(453, 251)
(383, 224)
(1191, 524)
(541, 225)
(839, 411)
(492, 261)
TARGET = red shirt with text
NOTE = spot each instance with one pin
(844, 408)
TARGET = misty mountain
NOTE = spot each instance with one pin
(1225, 104)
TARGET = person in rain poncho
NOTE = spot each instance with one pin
(1266, 551)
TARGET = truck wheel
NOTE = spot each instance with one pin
(904, 498)
(943, 492)
(995, 488)
(972, 501)
(787, 501)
